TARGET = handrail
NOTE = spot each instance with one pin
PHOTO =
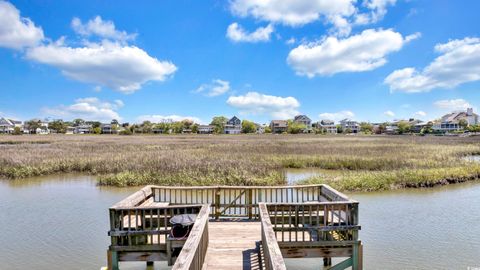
(136, 198)
(194, 250)
(271, 250)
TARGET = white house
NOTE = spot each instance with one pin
(9, 125)
(304, 120)
(327, 126)
(348, 124)
(233, 126)
(205, 129)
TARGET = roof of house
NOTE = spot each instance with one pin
(327, 122)
(233, 121)
(302, 117)
(454, 117)
(5, 121)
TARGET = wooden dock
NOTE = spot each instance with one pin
(236, 227)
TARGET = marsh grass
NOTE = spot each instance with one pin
(361, 163)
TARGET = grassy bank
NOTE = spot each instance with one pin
(359, 163)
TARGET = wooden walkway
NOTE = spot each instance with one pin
(233, 245)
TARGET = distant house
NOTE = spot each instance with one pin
(205, 129)
(108, 128)
(348, 124)
(8, 125)
(278, 126)
(70, 130)
(451, 121)
(304, 120)
(417, 127)
(233, 126)
(327, 126)
(259, 129)
(83, 129)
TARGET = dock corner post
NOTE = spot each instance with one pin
(357, 256)
(327, 261)
(217, 203)
(112, 258)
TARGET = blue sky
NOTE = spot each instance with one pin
(370, 60)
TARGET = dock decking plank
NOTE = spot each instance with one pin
(233, 245)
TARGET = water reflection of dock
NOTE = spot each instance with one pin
(236, 227)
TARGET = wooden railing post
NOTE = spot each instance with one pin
(217, 203)
(250, 203)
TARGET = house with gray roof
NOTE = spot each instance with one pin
(233, 126)
(452, 121)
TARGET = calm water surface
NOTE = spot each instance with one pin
(60, 222)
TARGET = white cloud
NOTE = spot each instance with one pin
(101, 28)
(378, 9)
(341, 14)
(420, 114)
(452, 104)
(458, 63)
(256, 103)
(291, 41)
(17, 32)
(292, 13)
(389, 113)
(90, 108)
(122, 68)
(362, 52)
(236, 33)
(216, 88)
(155, 118)
(336, 116)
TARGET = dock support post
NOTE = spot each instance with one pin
(357, 260)
(327, 261)
(112, 258)
(149, 265)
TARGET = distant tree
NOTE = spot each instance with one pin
(78, 122)
(97, 130)
(187, 123)
(195, 128)
(219, 123)
(248, 127)
(95, 124)
(32, 125)
(294, 127)
(268, 129)
(177, 127)
(58, 126)
(146, 127)
(366, 127)
(403, 127)
(381, 128)
(339, 128)
(114, 122)
(347, 131)
(463, 123)
(17, 131)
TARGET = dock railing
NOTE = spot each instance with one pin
(272, 254)
(326, 228)
(139, 228)
(195, 248)
(238, 201)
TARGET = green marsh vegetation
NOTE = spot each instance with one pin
(364, 163)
